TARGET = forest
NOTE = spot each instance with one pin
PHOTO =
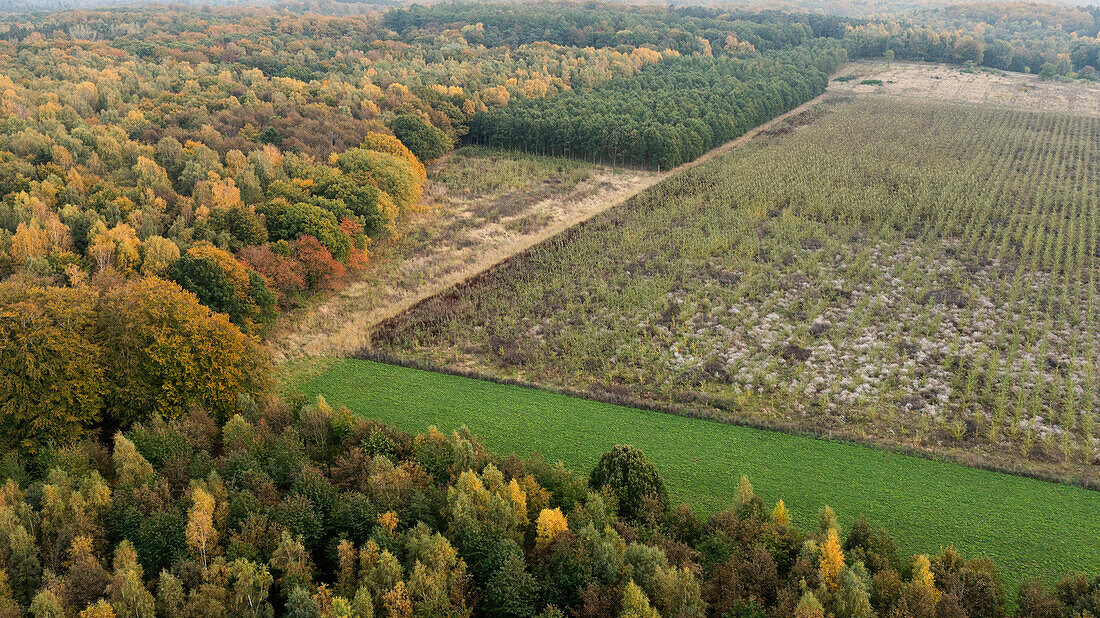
(669, 114)
(302, 509)
(178, 181)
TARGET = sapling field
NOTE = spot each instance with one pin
(913, 273)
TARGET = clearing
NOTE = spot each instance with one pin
(1029, 528)
(914, 80)
(482, 205)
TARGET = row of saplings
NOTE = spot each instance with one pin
(306, 511)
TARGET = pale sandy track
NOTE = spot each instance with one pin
(341, 324)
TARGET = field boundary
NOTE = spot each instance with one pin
(727, 417)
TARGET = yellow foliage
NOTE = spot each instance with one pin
(396, 602)
(809, 607)
(924, 579)
(635, 603)
(391, 145)
(550, 524)
(29, 241)
(202, 537)
(643, 56)
(832, 560)
(745, 492)
(496, 95)
(388, 520)
(780, 515)
(99, 609)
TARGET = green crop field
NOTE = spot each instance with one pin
(1030, 528)
(913, 273)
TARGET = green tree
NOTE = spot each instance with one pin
(391, 173)
(24, 567)
(631, 479)
(852, 599)
(226, 286)
(424, 140)
(511, 591)
(300, 604)
(301, 219)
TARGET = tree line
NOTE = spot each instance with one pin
(672, 112)
(301, 509)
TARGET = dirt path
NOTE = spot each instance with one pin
(342, 323)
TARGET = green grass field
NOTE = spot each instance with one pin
(1030, 528)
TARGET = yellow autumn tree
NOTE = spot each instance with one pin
(160, 254)
(51, 359)
(29, 241)
(924, 580)
(391, 145)
(745, 492)
(832, 560)
(388, 520)
(166, 353)
(635, 603)
(780, 515)
(396, 602)
(131, 467)
(809, 607)
(202, 537)
(550, 523)
(99, 609)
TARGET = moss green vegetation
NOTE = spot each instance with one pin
(1029, 528)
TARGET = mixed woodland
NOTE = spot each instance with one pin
(174, 179)
(300, 509)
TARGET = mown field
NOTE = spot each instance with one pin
(913, 273)
(1030, 528)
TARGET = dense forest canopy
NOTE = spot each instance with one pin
(307, 510)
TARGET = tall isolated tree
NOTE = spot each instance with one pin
(831, 561)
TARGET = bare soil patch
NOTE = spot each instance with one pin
(913, 80)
